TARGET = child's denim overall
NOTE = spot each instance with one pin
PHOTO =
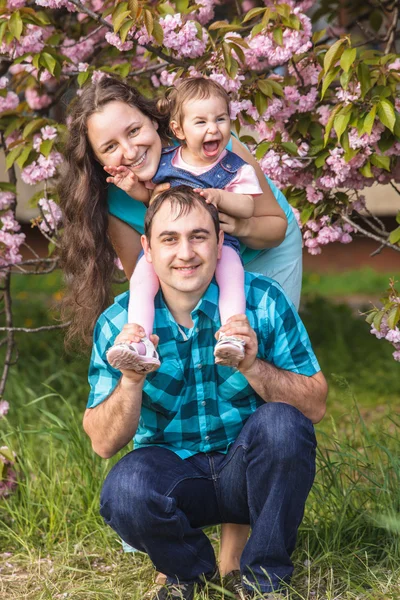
(218, 178)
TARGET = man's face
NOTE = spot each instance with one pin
(183, 250)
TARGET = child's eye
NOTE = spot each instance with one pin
(200, 122)
(221, 118)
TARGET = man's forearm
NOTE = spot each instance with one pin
(307, 394)
(113, 423)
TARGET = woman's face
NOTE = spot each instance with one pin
(121, 134)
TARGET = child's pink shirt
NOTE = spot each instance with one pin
(244, 182)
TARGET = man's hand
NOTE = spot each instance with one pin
(239, 326)
(210, 195)
(132, 332)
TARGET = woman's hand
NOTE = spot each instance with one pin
(233, 225)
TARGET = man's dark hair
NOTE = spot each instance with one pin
(184, 199)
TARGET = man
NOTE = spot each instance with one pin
(212, 444)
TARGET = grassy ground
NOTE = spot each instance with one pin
(53, 542)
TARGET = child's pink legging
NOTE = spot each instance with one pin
(144, 285)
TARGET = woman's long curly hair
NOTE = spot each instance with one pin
(87, 255)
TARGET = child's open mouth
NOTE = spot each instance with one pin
(211, 148)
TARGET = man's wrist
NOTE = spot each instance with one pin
(251, 371)
(131, 381)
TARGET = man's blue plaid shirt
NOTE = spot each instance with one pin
(190, 405)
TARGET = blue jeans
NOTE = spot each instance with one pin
(159, 503)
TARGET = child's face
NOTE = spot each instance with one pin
(121, 134)
(205, 129)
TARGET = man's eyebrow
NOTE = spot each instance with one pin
(105, 144)
(198, 230)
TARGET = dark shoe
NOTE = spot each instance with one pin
(232, 582)
(175, 591)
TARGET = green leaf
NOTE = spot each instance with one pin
(394, 237)
(119, 19)
(366, 170)
(321, 159)
(329, 125)
(23, 157)
(257, 29)
(181, 5)
(397, 216)
(278, 91)
(83, 77)
(46, 147)
(133, 6)
(306, 213)
(376, 19)
(303, 125)
(148, 21)
(340, 124)
(248, 139)
(290, 147)
(13, 125)
(261, 103)
(381, 161)
(369, 121)
(347, 59)
(124, 30)
(262, 149)
(386, 114)
(226, 51)
(364, 78)
(13, 155)
(6, 186)
(393, 316)
(334, 52)
(378, 319)
(317, 36)
(278, 36)
(254, 12)
(327, 80)
(15, 24)
(33, 126)
(48, 61)
(265, 87)
(158, 32)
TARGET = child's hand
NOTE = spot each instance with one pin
(210, 195)
(123, 178)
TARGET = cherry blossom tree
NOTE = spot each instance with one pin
(314, 86)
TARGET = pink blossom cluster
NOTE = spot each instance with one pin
(4, 406)
(15, 4)
(320, 232)
(10, 102)
(42, 168)
(8, 482)
(352, 93)
(390, 335)
(32, 42)
(229, 84)
(10, 243)
(264, 51)
(115, 40)
(57, 4)
(6, 198)
(303, 5)
(9, 222)
(78, 50)
(205, 11)
(35, 100)
(182, 36)
(280, 167)
(52, 216)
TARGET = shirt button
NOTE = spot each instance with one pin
(203, 403)
(197, 330)
(207, 438)
(228, 166)
(199, 366)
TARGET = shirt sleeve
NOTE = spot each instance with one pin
(102, 377)
(245, 182)
(285, 342)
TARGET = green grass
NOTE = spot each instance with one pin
(349, 541)
(363, 282)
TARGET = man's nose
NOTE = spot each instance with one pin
(185, 250)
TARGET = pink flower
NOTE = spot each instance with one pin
(230, 85)
(393, 335)
(9, 222)
(5, 199)
(352, 93)
(43, 168)
(395, 66)
(15, 4)
(396, 355)
(4, 406)
(35, 100)
(52, 215)
(10, 102)
(3, 83)
(48, 132)
(115, 40)
(37, 142)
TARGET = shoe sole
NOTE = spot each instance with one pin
(126, 359)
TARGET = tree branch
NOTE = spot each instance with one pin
(392, 29)
(149, 47)
(369, 234)
(36, 329)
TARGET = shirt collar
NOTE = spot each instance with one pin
(208, 305)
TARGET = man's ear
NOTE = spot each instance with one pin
(146, 248)
(220, 243)
(177, 130)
